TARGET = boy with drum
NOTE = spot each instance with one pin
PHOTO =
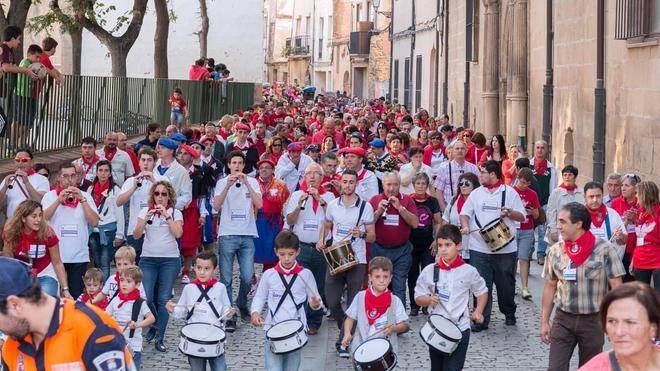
(376, 311)
(204, 300)
(445, 287)
(284, 289)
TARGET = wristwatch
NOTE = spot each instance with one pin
(83, 200)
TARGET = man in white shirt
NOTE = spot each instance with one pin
(136, 191)
(349, 218)
(24, 184)
(491, 202)
(291, 166)
(446, 181)
(122, 167)
(70, 212)
(305, 213)
(367, 186)
(236, 197)
(87, 161)
(606, 223)
(168, 167)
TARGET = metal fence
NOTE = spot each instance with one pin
(45, 116)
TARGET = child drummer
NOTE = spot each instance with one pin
(204, 300)
(284, 289)
(445, 287)
(377, 312)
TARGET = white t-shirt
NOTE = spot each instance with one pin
(454, 290)
(236, 212)
(138, 199)
(615, 222)
(159, 242)
(450, 215)
(308, 225)
(344, 218)
(111, 285)
(202, 312)
(123, 316)
(407, 170)
(15, 196)
(71, 228)
(486, 207)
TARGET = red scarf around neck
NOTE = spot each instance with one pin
(30, 171)
(123, 299)
(97, 192)
(493, 186)
(66, 202)
(419, 198)
(297, 268)
(598, 216)
(109, 154)
(540, 167)
(460, 201)
(579, 250)
(91, 163)
(315, 202)
(206, 284)
(455, 264)
(376, 306)
(643, 217)
(570, 189)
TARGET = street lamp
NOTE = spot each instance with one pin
(376, 4)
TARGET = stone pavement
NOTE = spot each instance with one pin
(499, 348)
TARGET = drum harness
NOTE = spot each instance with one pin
(204, 296)
(476, 220)
(436, 277)
(287, 291)
(363, 204)
(135, 312)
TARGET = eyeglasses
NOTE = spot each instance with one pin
(159, 194)
(23, 160)
(465, 184)
(276, 145)
(68, 176)
(314, 173)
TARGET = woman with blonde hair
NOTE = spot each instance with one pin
(273, 151)
(28, 237)
(646, 256)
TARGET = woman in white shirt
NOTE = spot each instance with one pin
(467, 183)
(160, 262)
(415, 166)
(109, 233)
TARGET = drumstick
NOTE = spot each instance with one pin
(309, 288)
(381, 330)
(221, 318)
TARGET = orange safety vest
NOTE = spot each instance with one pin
(80, 337)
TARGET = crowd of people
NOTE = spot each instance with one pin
(359, 209)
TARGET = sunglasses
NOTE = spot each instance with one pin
(465, 184)
(23, 160)
(163, 194)
(276, 145)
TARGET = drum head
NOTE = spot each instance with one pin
(284, 329)
(371, 350)
(493, 223)
(202, 332)
(447, 327)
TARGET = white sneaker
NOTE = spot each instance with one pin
(185, 279)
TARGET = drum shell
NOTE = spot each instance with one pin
(340, 257)
(497, 235)
(290, 342)
(439, 339)
(201, 348)
(384, 362)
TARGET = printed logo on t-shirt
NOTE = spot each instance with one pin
(425, 216)
(37, 251)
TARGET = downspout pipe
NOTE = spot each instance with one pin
(412, 60)
(599, 92)
(391, 36)
(548, 87)
(436, 83)
(445, 80)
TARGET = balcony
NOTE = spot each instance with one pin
(359, 43)
(296, 46)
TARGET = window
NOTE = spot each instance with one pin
(321, 33)
(636, 19)
(472, 31)
(368, 11)
(307, 30)
(406, 83)
(396, 79)
(418, 82)
(357, 15)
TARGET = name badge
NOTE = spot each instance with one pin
(247, 195)
(69, 230)
(443, 293)
(490, 206)
(164, 222)
(630, 228)
(311, 225)
(380, 323)
(391, 220)
(143, 204)
(238, 215)
(343, 230)
(273, 192)
(640, 241)
(570, 274)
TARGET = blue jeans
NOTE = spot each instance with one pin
(281, 362)
(103, 254)
(159, 273)
(525, 241)
(455, 361)
(498, 269)
(215, 364)
(49, 286)
(241, 247)
(540, 230)
(176, 116)
(314, 260)
(137, 246)
(137, 360)
(401, 258)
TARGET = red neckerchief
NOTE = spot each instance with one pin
(540, 167)
(572, 188)
(326, 183)
(87, 299)
(66, 202)
(376, 306)
(493, 186)
(643, 216)
(247, 146)
(109, 155)
(206, 284)
(362, 174)
(118, 281)
(315, 202)
(123, 299)
(598, 216)
(460, 201)
(455, 264)
(97, 192)
(89, 164)
(579, 250)
(297, 268)
(224, 134)
(30, 171)
(419, 198)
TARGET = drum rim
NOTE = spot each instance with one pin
(438, 331)
(293, 350)
(389, 349)
(298, 330)
(202, 342)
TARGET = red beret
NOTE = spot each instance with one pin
(358, 151)
(265, 161)
(241, 126)
(207, 138)
(190, 150)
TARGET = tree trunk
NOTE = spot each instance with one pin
(118, 58)
(204, 32)
(76, 51)
(160, 39)
(16, 16)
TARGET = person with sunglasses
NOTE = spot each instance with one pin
(467, 183)
(627, 207)
(24, 184)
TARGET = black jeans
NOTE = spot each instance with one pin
(453, 362)
(421, 257)
(497, 269)
(334, 288)
(645, 275)
(74, 274)
(314, 260)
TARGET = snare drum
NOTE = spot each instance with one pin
(286, 336)
(441, 334)
(375, 355)
(497, 234)
(340, 257)
(202, 340)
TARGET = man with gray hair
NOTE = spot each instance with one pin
(613, 188)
